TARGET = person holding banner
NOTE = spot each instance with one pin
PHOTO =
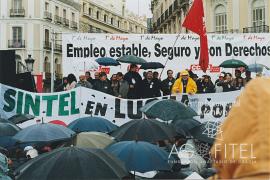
(166, 84)
(184, 84)
(150, 86)
(134, 80)
(103, 85)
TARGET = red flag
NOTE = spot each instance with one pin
(194, 21)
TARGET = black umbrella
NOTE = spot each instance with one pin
(8, 129)
(185, 125)
(3, 150)
(4, 121)
(20, 118)
(107, 61)
(144, 130)
(131, 59)
(152, 65)
(73, 163)
(206, 132)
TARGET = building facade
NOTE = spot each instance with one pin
(168, 15)
(27, 25)
(221, 16)
(237, 16)
(110, 16)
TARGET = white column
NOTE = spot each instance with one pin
(236, 14)
(31, 8)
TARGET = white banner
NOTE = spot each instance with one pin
(80, 102)
(80, 50)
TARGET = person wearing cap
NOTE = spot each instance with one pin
(184, 84)
(134, 80)
(103, 85)
(166, 84)
(123, 86)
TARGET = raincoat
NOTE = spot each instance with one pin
(178, 86)
(248, 128)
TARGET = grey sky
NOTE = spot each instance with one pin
(144, 7)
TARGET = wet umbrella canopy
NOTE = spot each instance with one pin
(152, 65)
(257, 67)
(73, 163)
(8, 129)
(106, 61)
(232, 63)
(185, 125)
(131, 59)
(168, 110)
(44, 133)
(20, 118)
(144, 130)
(140, 156)
(87, 124)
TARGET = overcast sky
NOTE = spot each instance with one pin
(144, 7)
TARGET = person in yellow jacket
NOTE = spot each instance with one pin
(184, 84)
(242, 150)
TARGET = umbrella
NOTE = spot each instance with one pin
(8, 129)
(44, 133)
(4, 121)
(20, 118)
(93, 140)
(73, 163)
(131, 59)
(152, 65)
(232, 63)
(206, 132)
(144, 130)
(106, 61)
(140, 156)
(3, 150)
(87, 124)
(185, 125)
(58, 122)
(168, 109)
(257, 67)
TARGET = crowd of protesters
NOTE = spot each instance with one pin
(133, 86)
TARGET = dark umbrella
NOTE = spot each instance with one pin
(185, 125)
(44, 133)
(257, 67)
(4, 121)
(8, 129)
(106, 61)
(233, 63)
(73, 163)
(20, 118)
(206, 132)
(87, 124)
(168, 110)
(140, 156)
(152, 65)
(131, 59)
(3, 150)
(144, 130)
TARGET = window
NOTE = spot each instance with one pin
(57, 10)
(73, 17)
(47, 6)
(47, 36)
(161, 9)
(97, 14)
(57, 66)
(258, 13)
(64, 13)
(90, 29)
(119, 24)
(220, 18)
(89, 11)
(17, 4)
(112, 21)
(84, 7)
(17, 34)
(105, 18)
(47, 66)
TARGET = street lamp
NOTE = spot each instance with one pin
(29, 63)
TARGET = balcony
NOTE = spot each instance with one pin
(58, 47)
(57, 19)
(66, 22)
(166, 14)
(256, 29)
(16, 43)
(74, 25)
(170, 10)
(47, 45)
(47, 15)
(230, 31)
(17, 12)
(162, 19)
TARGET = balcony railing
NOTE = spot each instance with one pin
(58, 47)
(16, 43)
(66, 22)
(225, 31)
(74, 25)
(57, 19)
(47, 15)
(47, 45)
(17, 12)
(256, 29)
